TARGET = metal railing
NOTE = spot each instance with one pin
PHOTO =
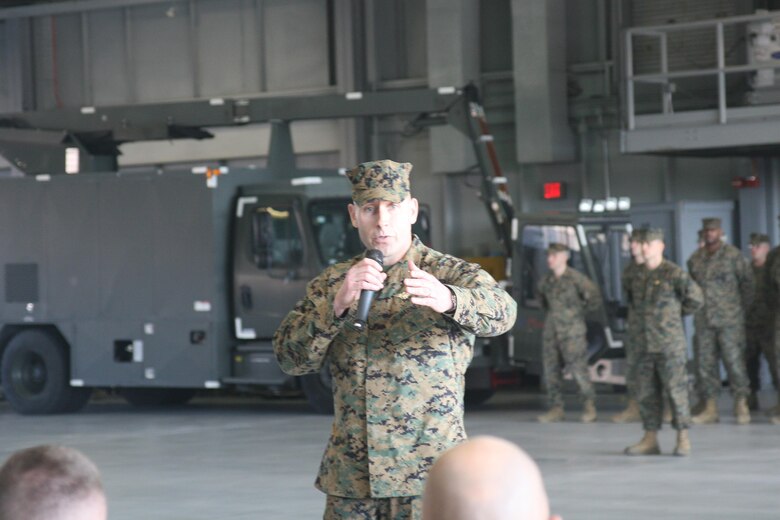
(664, 77)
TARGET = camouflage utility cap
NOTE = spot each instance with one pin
(380, 180)
(710, 223)
(654, 234)
(758, 238)
(557, 247)
(638, 234)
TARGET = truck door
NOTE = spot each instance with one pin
(532, 255)
(269, 265)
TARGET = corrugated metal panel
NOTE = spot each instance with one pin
(176, 50)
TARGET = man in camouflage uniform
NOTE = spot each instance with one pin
(759, 322)
(567, 296)
(631, 274)
(398, 382)
(663, 295)
(727, 281)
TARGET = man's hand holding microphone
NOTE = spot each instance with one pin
(366, 278)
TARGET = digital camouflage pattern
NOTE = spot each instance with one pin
(631, 280)
(380, 180)
(726, 278)
(759, 325)
(662, 297)
(727, 281)
(398, 386)
(399, 508)
(566, 301)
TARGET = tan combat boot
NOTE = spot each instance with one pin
(630, 414)
(588, 412)
(647, 446)
(554, 415)
(683, 448)
(708, 415)
(741, 411)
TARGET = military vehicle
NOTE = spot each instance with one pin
(599, 245)
(159, 284)
(162, 283)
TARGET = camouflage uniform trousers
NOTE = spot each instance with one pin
(395, 508)
(728, 344)
(661, 374)
(760, 341)
(632, 359)
(573, 352)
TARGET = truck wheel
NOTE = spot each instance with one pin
(36, 375)
(147, 397)
(319, 390)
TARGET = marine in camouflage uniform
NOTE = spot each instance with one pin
(663, 295)
(632, 274)
(759, 322)
(566, 299)
(725, 276)
(398, 383)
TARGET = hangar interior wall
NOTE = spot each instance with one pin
(208, 48)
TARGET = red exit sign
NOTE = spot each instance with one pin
(554, 190)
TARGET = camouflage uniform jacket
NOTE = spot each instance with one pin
(727, 281)
(631, 281)
(398, 387)
(666, 295)
(759, 314)
(566, 301)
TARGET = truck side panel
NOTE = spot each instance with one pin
(126, 271)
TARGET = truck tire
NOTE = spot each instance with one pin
(319, 390)
(148, 397)
(36, 375)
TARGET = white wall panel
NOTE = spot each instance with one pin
(221, 48)
(162, 54)
(296, 49)
(109, 73)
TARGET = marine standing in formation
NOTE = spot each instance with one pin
(727, 281)
(661, 297)
(398, 383)
(759, 323)
(633, 272)
(567, 296)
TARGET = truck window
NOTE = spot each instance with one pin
(337, 240)
(609, 245)
(276, 240)
(535, 240)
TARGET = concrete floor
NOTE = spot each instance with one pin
(251, 458)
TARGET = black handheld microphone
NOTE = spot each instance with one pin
(366, 296)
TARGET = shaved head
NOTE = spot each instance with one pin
(486, 478)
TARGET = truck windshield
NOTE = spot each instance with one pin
(533, 261)
(337, 240)
(609, 245)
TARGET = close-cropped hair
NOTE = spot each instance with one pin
(40, 483)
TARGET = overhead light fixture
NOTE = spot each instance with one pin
(612, 204)
(624, 203)
(72, 160)
(599, 206)
(586, 205)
